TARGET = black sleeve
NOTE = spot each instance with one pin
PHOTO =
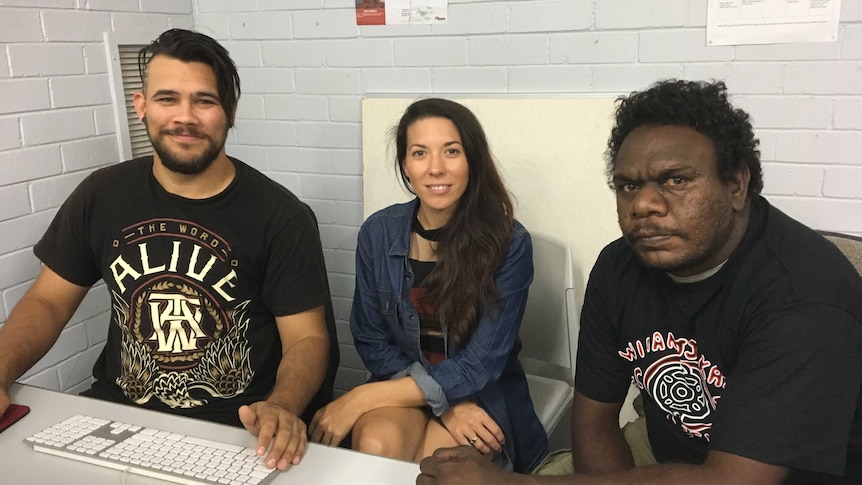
(600, 373)
(295, 274)
(791, 398)
(66, 245)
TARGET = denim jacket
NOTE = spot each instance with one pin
(486, 370)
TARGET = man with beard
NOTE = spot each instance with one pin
(741, 327)
(220, 304)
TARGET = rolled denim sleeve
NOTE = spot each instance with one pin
(434, 395)
(485, 356)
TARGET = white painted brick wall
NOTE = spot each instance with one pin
(788, 52)
(266, 25)
(425, 53)
(305, 66)
(244, 54)
(23, 232)
(89, 153)
(18, 266)
(56, 126)
(29, 164)
(80, 91)
(10, 135)
(327, 81)
(594, 48)
(251, 107)
(299, 160)
(689, 45)
(511, 50)
(51, 192)
(4, 64)
(750, 78)
(268, 80)
(342, 108)
(21, 95)
(75, 25)
(20, 25)
(371, 53)
(553, 79)
(115, 5)
(397, 80)
(299, 53)
(45, 59)
(783, 111)
(626, 14)
(555, 16)
(848, 113)
(13, 202)
(842, 182)
(324, 24)
(469, 80)
(793, 179)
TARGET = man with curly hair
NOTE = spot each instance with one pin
(220, 307)
(741, 327)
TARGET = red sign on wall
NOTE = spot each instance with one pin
(370, 12)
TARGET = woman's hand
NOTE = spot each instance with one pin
(468, 423)
(332, 422)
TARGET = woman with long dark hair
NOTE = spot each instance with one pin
(441, 286)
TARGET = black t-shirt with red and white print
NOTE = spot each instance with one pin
(763, 359)
(194, 285)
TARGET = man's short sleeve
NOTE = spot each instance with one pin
(65, 247)
(600, 373)
(295, 269)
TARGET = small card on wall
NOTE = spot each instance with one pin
(401, 12)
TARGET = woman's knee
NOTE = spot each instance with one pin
(395, 438)
(373, 440)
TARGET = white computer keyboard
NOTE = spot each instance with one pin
(151, 452)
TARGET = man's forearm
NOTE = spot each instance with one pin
(300, 373)
(402, 392)
(600, 452)
(742, 472)
(648, 475)
(26, 336)
(746, 472)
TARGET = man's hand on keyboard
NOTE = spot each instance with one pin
(277, 429)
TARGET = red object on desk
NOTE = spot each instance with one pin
(13, 413)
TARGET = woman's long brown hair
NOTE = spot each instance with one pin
(476, 239)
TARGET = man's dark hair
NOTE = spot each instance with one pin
(189, 46)
(699, 105)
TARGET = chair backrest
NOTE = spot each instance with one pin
(851, 246)
(549, 330)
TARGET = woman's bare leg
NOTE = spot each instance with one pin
(392, 432)
(436, 436)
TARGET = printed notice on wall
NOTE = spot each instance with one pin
(401, 12)
(733, 22)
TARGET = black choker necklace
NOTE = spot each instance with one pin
(427, 234)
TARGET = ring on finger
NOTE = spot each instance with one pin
(473, 440)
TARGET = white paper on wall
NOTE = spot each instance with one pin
(733, 22)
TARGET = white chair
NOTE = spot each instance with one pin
(549, 331)
(850, 246)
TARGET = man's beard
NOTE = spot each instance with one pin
(186, 167)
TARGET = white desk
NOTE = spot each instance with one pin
(321, 465)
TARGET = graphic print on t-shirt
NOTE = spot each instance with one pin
(182, 328)
(681, 381)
